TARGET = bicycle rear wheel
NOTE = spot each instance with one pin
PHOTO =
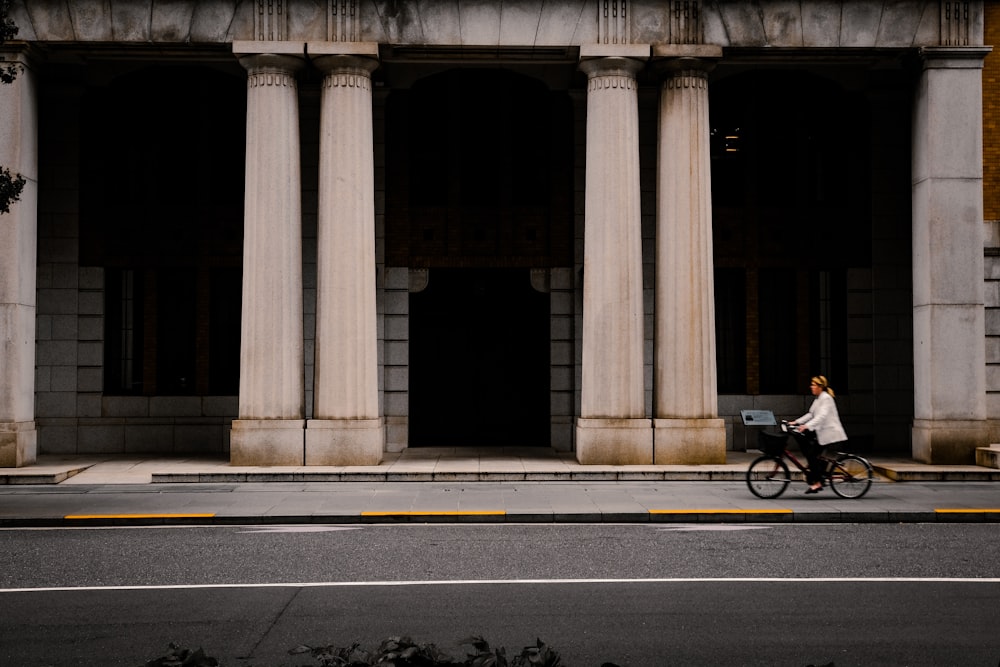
(851, 476)
(767, 476)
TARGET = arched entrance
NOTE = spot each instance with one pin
(479, 193)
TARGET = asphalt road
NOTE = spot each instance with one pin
(908, 594)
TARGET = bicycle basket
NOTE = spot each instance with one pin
(771, 443)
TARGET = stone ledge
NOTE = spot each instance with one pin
(988, 457)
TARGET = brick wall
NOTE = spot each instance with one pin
(991, 115)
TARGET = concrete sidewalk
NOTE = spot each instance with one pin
(467, 485)
(432, 464)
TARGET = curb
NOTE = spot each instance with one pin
(655, 516)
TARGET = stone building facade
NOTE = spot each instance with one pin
(313, 231)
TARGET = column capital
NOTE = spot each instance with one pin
(22, 53)
(953, 57)
(346, 64)
(685, 59)
(344, 57)
(613, 59)
(612, 66)
(272, 62)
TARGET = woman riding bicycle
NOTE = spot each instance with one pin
(823, 422)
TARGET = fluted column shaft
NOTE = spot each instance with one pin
(686, 424)
(18, 251)
(612, 427)
(346, 429)
(269, 430)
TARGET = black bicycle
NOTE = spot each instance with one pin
(849, 475)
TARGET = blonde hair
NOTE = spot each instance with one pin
(822, 383)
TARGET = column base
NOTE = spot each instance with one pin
(689, 441)
(344, 442)
(614, 441)
(18, 444)
(948, 442)
(267, 442)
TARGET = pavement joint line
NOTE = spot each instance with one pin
(970, 510)
(207, 515)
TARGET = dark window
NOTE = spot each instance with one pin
(791, 215)
(778, 324)
(123, 331)
(161, 209)
(479, 172)
(226, 294)
(731, 330)
(177, 334)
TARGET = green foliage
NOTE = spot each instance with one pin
(10, 184)
(8, 30)
(393, 652)
(182, 657)
(397, 652)
(10, 189)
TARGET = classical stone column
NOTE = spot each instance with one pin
(686, 427)
(270, 428)
(346, 428)
(612, 428)
(18, 251)
(949, 365)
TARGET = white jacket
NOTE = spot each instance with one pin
(824, 420)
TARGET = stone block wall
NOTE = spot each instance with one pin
(992, 303)
(562, 357)
(394, 307)
(63, 354)
(991, 215)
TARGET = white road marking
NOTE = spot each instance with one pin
(303, 528)
(709, 527)
(530, 582)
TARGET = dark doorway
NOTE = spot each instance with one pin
(479, 191)
(479, 360)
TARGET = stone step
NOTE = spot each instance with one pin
(988, 457)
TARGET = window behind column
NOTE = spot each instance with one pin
(791, 216)
(162, 213)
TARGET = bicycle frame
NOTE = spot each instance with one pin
(787, 454)
(849, 475)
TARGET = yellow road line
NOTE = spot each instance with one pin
(967, 511)
(140, 516)
(439, 513)
(725, 511)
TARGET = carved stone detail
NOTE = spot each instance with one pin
(342, 22)
(270, 20)
(955, 23)
(687, 79)
(684, 22)
(607, 82)
(419, 278)
(340, 80)
(261, 78)
(613, 25)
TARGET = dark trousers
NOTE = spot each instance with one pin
(813, 452)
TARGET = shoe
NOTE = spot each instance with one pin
(812, 490)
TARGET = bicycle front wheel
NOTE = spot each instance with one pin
(767, 477)
(851, 476)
